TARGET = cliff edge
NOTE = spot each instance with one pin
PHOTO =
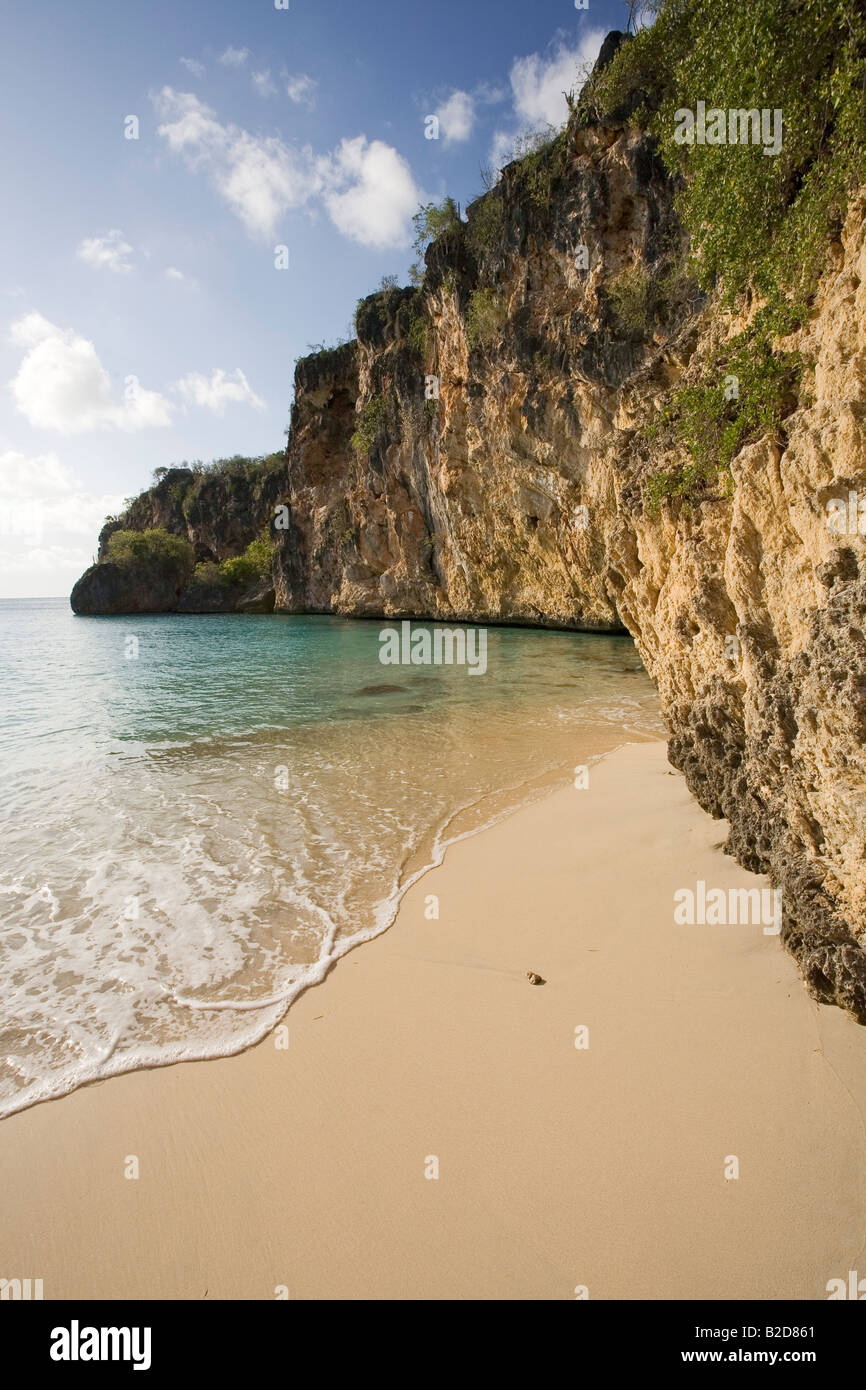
(568, 424)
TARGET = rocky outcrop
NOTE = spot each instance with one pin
(257, 597)
(481, 452)
(219, 510)
(110, 588)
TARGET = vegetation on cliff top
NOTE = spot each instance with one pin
(238, 466)
(432, 221)
(757, 222)
(541, 158)
(152, 553)
(754, 220)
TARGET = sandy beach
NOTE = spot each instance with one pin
(307, 1168)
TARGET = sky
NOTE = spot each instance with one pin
(197, 194)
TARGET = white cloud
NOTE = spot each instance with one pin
(189, 126)
(487, 94)
(45, 559)
(24, 477)
(456, 117)
(260, 177)
(367, 187)
(62, 385)
(538, 84)
(538, 87)
(234, 57)
(109, 252)
(218, 391)
(194, 66)
(40, 499)
(263, 84)
(172, 273)
(502, 149)
(262, 180)
(301, 89)
(28, 331)
(370, 193)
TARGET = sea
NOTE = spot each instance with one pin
(203, 814)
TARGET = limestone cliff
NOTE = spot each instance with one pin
(219, 512)
(488, 450)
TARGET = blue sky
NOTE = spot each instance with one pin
(142, 318)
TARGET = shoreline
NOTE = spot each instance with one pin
(560, 1167)
(436, 842)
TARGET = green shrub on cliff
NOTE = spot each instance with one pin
(743, 394)
(433, 220)
(253, 565)
(642, 297)
(485, 314)
(635, 296)
(152, 553)
(487, 224)
(208, 574)
(753, 218)
(370, 421)
(542, 157)
(419, 328)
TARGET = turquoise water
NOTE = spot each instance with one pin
(202, 813)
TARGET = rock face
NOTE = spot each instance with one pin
(111, 589)
(214, 598)
(218, 512)
(517, 497)
(774, 738)
(477, 505)
(498, 474)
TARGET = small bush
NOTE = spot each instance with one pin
(485, 315)
(542, 158)
(712, 424)
(254, 565)
(209, 575)
(433, 220)
(370, 421)
(152, 547)
(487, 224)
(636, 298)
(419, 330)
